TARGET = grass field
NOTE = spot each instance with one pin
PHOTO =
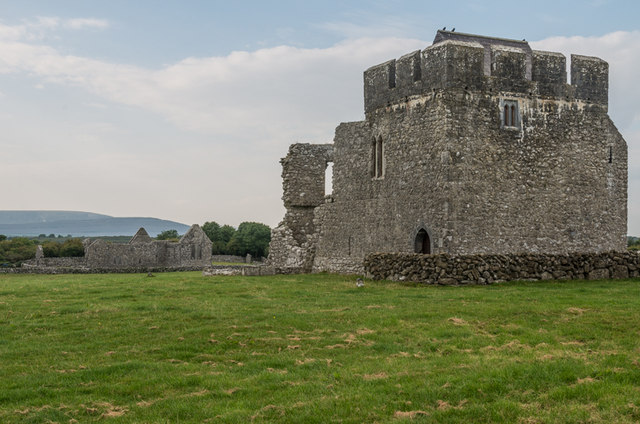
(182, 348)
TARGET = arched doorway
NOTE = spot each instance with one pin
(423, 242)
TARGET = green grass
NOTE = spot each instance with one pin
(315, 348)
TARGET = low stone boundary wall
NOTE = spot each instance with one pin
(228, 258)
(87, 270)
(486, 269)
(72, 262)
(238, 270)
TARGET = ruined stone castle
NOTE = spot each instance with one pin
(472, 145)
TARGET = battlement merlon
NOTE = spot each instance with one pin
(502, 67)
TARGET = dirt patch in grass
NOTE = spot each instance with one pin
(336, 346)
(457, 321)
(409, 414)
(378, 376)
(268, 412)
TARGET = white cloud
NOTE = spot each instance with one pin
(83, 23)
(40, 27)
(279, 92)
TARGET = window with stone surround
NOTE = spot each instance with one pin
(509, 114)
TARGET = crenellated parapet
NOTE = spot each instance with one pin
(493, 66)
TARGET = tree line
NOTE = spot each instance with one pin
(250, 238)
(19, 249)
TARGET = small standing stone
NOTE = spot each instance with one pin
(39, 254)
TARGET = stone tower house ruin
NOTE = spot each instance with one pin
(472, 145)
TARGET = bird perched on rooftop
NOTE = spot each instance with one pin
(359, 282)
(454, 29)
(444, 28)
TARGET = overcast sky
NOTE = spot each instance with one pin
(181, 110)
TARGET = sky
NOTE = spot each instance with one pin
(181, 110)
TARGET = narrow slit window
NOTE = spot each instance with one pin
(377, 158)
(373, 158)
(392, 75)
(379, 161)
(506, 116)
(610, 154)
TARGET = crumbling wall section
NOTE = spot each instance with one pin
(292, 246)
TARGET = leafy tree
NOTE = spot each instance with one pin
(235, 246)
(2, 237)
(219, 236)
(226, 233)
(51, 249)
(168, 235)
(42, 236)
(212, 230)
(71, 247)
(252, 238)
(51, 235)
(17, 250)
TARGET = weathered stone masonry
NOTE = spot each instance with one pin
(485, 269)
(142, 253)
(475, 145)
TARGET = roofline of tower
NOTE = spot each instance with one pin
(482, 36)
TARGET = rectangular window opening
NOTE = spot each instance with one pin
(328, 179)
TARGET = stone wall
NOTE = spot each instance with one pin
(40, 269)
(245, 270)
(292, 245)
(193, 249)
(72, 262)
(486, 269)
(228, 258)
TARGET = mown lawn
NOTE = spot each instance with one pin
(182, 348)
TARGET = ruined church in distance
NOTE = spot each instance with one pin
(472, 145)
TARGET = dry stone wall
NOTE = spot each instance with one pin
(486, 269)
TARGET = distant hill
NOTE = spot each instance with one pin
(78, 224)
